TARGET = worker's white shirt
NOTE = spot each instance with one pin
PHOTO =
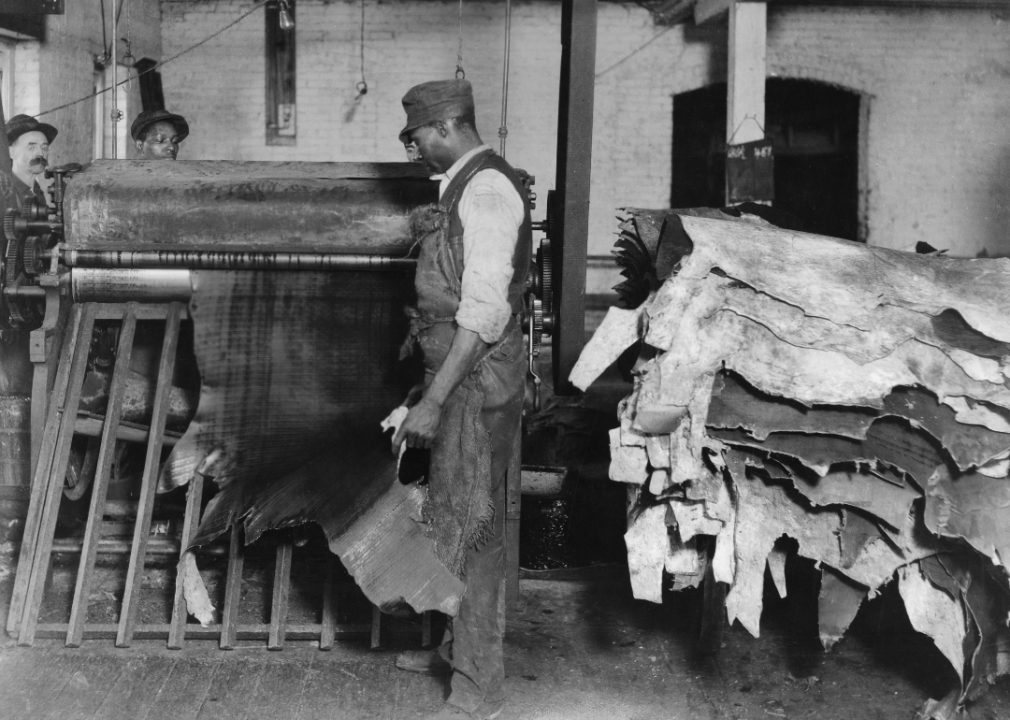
(492, 213)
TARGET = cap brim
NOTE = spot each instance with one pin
(178, 121)
(405, 133)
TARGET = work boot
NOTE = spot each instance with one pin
(426, 662)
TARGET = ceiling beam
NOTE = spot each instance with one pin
(705, 10)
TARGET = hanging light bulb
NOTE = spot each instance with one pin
(287, 22)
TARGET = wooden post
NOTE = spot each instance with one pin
(106, 454)
(282, 589)
(232, 588)
(745, 101)
(149, 483)
(575, 152)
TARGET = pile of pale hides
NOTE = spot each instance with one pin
(852, 398)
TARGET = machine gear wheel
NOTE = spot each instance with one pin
(9, 225)
(33, 257)
(12, 259)
(536, 319)
(545, 261)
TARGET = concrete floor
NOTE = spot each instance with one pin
(578, 647)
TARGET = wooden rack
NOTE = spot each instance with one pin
(38, 545)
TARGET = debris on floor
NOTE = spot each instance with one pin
(852, 398)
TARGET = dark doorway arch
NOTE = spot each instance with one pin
(814, 130)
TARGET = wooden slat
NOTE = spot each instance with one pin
(190, 523)
(159, 631)
(329, 618)
(159, 414)
(232, 589)
(106, 454)
(53, 492)
(94, 426)
(279, 605)
(41, 471)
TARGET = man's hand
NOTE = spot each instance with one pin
(420, 425)
(422, 422)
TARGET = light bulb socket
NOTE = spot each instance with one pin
(286, 21)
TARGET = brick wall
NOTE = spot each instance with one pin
(61, 70)
(936, 85)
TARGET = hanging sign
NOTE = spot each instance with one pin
(750, 172)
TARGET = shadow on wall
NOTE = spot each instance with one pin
(996, 217)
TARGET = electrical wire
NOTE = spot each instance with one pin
(503, 130)
(637, 50)
(460, 72)
(160, 64)
(362, 86)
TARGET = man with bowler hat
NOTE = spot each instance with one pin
(29, 142)
(157, 134)
(474, 257)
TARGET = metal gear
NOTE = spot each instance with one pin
(9, 225)
(545, 261)
(12, 259)
(33, 257)
(536, 321)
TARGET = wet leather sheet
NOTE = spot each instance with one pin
(298, 370)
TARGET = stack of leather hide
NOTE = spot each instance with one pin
(852, 398)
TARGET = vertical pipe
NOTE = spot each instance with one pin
(114, 116)
(503, 129)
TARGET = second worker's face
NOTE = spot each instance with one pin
(161, 143)
(427, 145)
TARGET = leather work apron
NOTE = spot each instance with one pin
(481, 418)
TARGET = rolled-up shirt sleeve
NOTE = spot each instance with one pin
(491, 212)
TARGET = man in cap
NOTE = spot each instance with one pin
(157, 134)
(29, 142)
(470, 278)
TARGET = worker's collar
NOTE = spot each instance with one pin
(458, 165)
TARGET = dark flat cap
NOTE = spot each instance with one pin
(436, 100)
(21, 124)
(149, 117)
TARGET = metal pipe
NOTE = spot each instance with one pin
(503, 128)
(119, 285)
(224, 260)
(114, 21)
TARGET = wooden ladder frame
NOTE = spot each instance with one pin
(53, 455)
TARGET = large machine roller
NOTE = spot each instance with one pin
(132, 230)
(143, 231)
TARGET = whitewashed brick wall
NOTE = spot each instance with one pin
(26, 79)
(60, 70)
(936, 83)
